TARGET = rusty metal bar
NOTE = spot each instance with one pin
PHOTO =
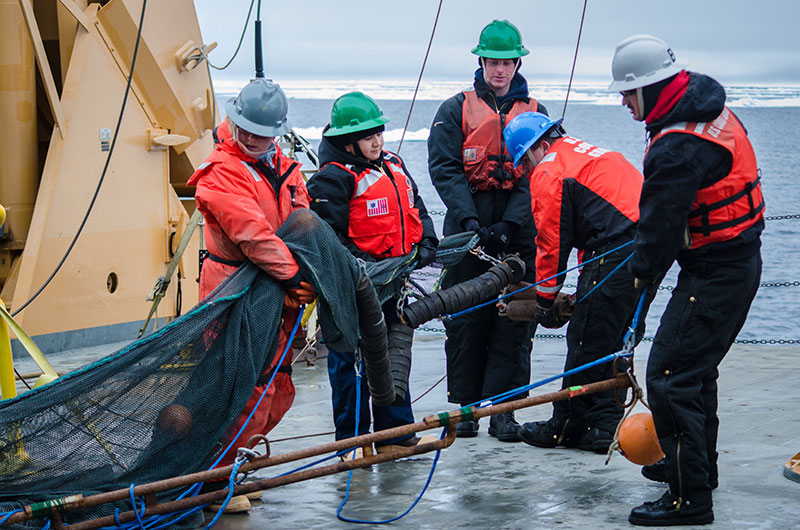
(445, 419)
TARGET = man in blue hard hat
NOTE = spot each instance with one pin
(701, 205)
(483, 192)
(587, 198)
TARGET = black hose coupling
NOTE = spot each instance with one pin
(466, 294)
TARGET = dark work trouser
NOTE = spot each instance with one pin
(596, 329)
(342, 375)
(709, 306)
(486, 354)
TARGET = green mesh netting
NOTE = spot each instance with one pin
(388, 275)
(97, 429)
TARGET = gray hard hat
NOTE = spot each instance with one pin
(260, 108)
(641, 60)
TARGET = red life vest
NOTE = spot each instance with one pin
(484, 148)
(728, 207)
(383, 221)
(565, 220)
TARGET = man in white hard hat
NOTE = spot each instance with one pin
(701, 205)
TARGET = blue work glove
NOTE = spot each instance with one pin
(426, 251)
(472, 225)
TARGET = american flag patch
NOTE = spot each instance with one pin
(470, 154)
(377, 207)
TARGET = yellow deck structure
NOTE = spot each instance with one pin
(64, 67)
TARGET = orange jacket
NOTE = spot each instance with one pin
(484, 145)
(383, 221)
(582, 197)
(242, 210)
(728, 207)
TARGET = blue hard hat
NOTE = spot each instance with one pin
(524, 131)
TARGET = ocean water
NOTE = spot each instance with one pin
(770, 113)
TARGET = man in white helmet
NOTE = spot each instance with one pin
(701, 205)
(246, 189)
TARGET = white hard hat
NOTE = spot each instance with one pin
(642, 60)
(260, 108)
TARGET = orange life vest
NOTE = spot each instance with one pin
(487, 164)
(731, 205)
(563, 220)
(383, 221)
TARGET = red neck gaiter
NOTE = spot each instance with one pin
(668, 97)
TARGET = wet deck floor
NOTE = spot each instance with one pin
(483, 483)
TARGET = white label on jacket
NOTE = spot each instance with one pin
(377, 207)
(470, 154)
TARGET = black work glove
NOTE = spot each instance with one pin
(500, 235)
(472, 225)
(426, 251)
(558, 314)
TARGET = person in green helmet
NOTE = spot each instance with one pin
(475, 176)
(369, 198)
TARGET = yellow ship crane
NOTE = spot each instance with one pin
(64, 67)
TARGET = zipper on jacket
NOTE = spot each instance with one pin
(390, 175)
(680, 479)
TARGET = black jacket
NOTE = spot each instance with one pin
(331, 189)
(446, 168)
(675, 167)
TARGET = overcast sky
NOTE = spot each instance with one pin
(736, 41)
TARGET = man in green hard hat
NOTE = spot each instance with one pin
(370, 200)
(483, 192)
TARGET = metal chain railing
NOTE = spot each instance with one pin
(767, 218)
(561, 336)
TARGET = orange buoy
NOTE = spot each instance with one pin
(638, 440)
(175, 420)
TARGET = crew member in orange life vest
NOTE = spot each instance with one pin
(702, 205)
(367, 195)
(483, 192)
(584, 197)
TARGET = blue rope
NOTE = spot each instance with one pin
(152, 523)
(502, 297)
(133, 503)
(609, 275)
(269, 383)
(350, 473)
(627, 351)
(231, 485)
(7, 515)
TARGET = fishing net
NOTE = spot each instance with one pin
(158, 407)
(389, 275)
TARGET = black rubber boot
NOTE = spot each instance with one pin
(504, 427)
(595, 439)
(546, 434)
(657, 473)
(666, 511)
(467, 429)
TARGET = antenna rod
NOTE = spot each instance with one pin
(259, 54)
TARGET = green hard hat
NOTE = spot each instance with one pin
(500, 40)
(354, 112)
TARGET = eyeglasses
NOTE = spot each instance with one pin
(626, 93)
